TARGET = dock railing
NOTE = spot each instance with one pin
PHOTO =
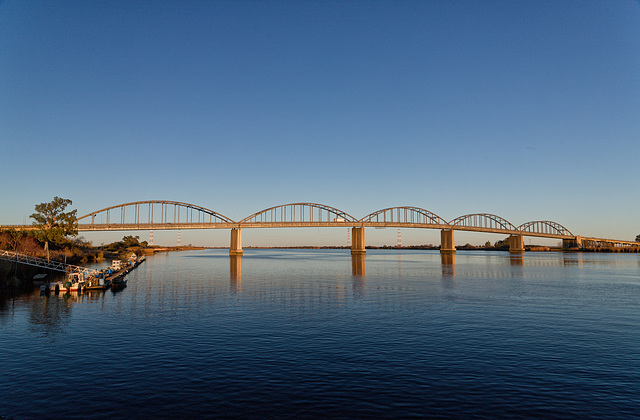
(41, 262)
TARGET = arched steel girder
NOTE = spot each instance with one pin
(298, 213)
(214, 217)
(482, 222)
(545, 227)
(405, 215)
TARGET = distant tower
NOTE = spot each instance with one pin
(150, 237)
(399, 239)
(178, 237)
(348, 237)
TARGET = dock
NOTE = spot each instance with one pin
(113, 277)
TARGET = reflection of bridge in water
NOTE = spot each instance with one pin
(174, 215)
(447, 269)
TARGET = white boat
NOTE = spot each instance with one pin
(74, 283)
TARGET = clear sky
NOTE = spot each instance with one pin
(525, 109)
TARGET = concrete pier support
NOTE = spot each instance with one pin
(357, 241)
(572, 243)
(447, 246)
(236, 242)
(516, 244)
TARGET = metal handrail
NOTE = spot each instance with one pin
(41, 262)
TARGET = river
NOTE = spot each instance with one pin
(317, 333)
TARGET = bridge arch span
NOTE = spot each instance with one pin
(545, 227)
(299, 214)
(406, 215)
(152, 212)
(483, 222)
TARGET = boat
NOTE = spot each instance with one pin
(118, 285)
(74, 283)
(97, 283)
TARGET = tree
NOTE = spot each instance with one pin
(9, 239)
(502, 244)
(53, 222)
(637, 238)
(129, 241)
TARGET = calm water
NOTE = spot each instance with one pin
(281, 333)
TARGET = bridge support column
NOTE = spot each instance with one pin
(447, 246)
(357, 241)
(516, 244)
(572, 243)
(236, 242)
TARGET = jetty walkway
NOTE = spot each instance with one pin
(42, 263)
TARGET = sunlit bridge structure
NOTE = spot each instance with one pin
(175, 215)
(154, 214)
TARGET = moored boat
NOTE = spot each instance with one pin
(97, 283)
(74, 283)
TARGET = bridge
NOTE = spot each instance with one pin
(173, 215)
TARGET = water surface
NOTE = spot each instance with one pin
(317, 333)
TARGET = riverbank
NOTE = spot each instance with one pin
(19, 277)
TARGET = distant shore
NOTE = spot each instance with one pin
(528, 248)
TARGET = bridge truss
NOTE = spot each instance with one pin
(299, 215)
(153, 214)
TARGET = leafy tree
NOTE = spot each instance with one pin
(637, 238)
(129, 241)
(502, 243)
(53, 222)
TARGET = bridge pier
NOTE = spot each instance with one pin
(447, 246)
(516, 244)
(357, 241)
(236, 242)
(572, 243)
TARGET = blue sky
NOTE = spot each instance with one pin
(528, 110)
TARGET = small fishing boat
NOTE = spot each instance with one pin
(74, 283)
(96, 283)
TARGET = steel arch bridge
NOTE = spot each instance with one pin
(162, 214)
(174, 215)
